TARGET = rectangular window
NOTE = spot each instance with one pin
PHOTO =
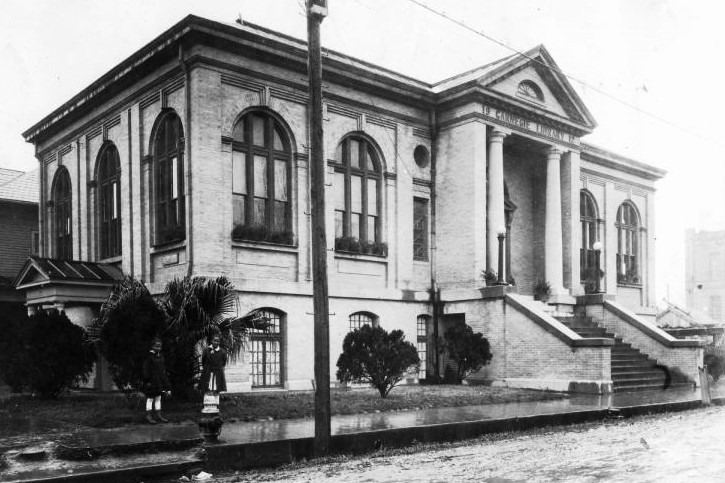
(420, 229)
(260, 190)
(34, 243)
(239, 173)
(174, 178)
(258, 131)
(354, 147)
(716, 307)
(114, 194)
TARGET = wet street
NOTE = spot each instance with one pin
(685, 446)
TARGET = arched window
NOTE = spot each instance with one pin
(108, 180)
(267, 351)
(590, 234)
(422, 344)
(529, 88)
(357, 192)
(169, 179)
(62, 215)
(358, 319)
(261, 180)
(628, 245)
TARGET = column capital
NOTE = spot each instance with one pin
(497, 134)
(552, 151)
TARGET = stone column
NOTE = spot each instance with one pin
(553, 245)
(496, 216)
(571, 220)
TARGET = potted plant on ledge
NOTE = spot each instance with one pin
(542, 291)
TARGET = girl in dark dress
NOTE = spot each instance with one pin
(155, 383)
(213, 361)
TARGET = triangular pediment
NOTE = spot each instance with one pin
(529, 81)
(533, 79)
(31, 274)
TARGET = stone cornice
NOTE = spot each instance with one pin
(602, 157)
(299, 86)
(615, 179)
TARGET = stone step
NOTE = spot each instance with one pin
(631, 370)
(634, 366)
(631, 387)
(639, 376)
(627, 356)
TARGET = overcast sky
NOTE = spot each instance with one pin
(658, 55)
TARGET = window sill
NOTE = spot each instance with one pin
(168, 246)
(262, 245)
(111, 260)
(421, 262)
(629, 285)
(361, 256)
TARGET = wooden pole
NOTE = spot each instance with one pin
(319, 238)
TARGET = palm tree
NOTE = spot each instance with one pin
(196, 308)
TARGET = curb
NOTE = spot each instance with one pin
(226, 456)
(120, 474)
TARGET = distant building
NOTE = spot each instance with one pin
(191, 158)
(705, 272)
(691, 324)
(18, 229)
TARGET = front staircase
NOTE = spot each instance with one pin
(631, 369)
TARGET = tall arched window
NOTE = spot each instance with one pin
(628, 245)
(357, 191)
(267, 351)
(108, 179)
(590, 234)
(358, 319)
(62, 205)
(422, 344)
(261, 180)
(169, 179)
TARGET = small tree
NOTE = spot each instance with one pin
(59, 354)
(715, 365)
(129, 320)
(469, 350)
(374, 356)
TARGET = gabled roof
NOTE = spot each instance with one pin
(7, 174)
(675, 316)
(535, 63)
(22, 186)
(43, 271)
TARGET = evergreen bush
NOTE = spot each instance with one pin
(374, 356)
(59, 354)
(469, 350)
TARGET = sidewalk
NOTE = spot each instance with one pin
(129, 453)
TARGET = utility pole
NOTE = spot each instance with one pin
(316, 11)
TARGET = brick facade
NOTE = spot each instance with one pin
(210, 86)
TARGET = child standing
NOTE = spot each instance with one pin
(155, 382)
(213, 361)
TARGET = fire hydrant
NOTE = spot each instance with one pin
(210, 422)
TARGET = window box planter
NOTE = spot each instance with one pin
(261, 233)
(349, 244)
(628, 279)
(171, 235)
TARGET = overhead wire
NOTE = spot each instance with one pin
(560, 72)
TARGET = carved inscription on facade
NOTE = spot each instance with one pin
(524, 124)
